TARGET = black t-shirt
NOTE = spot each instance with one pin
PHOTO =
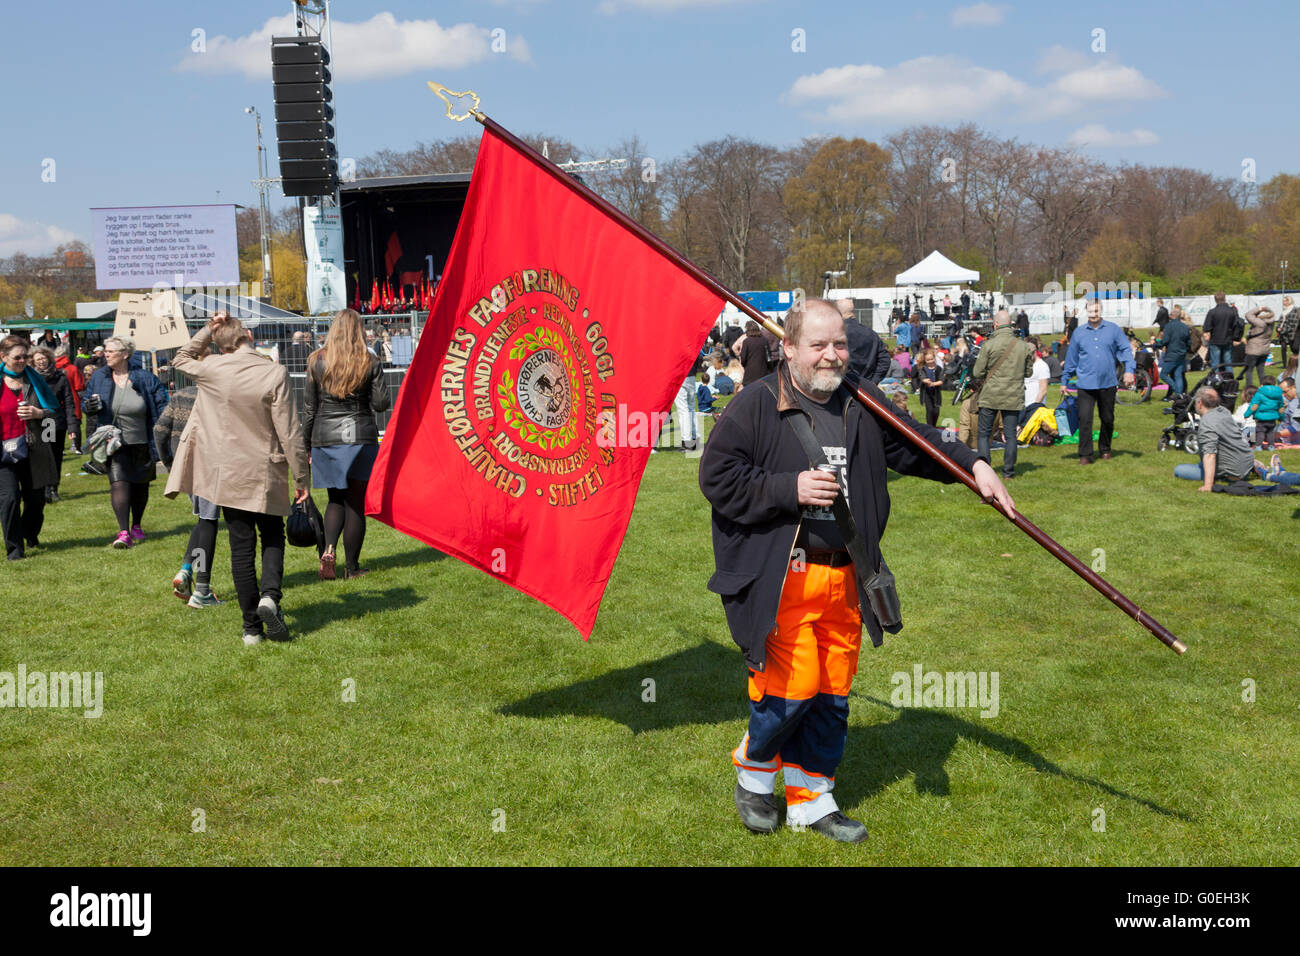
(818, 530)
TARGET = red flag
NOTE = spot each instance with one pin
(374, 295)
(525, 422)
(392, 253)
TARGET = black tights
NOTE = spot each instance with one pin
(129, 499)
(198, 553)
(346, 514)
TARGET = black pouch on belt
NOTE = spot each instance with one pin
(882, 590)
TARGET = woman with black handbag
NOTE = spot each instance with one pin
(344, 389)
(26, 448)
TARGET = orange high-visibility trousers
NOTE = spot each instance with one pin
(799, 709)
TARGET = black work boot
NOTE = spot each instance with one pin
(757, 810)
(839, 827)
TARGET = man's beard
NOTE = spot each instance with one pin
(819, 381)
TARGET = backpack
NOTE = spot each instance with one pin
(773, 350)
(1194, 339)
(1238, 327)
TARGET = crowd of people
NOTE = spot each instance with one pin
(1010, 369)
(228, 442)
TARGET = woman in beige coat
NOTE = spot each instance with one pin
(236, 451)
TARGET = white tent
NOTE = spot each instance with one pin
(936, 269)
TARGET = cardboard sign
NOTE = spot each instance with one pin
(153, 320)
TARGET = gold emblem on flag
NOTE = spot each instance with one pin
(522, 387)
(539, 403)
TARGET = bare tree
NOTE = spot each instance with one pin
(1070, 196)
(918, 190)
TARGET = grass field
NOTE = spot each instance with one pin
(485, 731)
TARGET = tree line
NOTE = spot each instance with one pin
(762, 217)
(759, 216)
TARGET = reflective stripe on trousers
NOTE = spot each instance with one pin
(799, 709)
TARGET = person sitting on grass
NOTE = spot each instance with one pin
(719, 380)
(703, 394)
(1288, 432)
(1225, 455)
(899, 400)
(1239, 415)
(1266, 409)
(1276, 473)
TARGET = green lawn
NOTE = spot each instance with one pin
(476, 706)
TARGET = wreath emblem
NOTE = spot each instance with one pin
(538, 340)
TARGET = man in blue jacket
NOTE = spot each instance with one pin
(1095, 349)
(794, 602)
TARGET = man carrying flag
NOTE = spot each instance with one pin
(795, 471)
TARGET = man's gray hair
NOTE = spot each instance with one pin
(1000, 318)
(794, 318)
(1207, 397)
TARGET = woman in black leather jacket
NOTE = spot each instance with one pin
(344, 388)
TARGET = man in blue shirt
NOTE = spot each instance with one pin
(1095, 349)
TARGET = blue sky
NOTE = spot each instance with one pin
(131, 114)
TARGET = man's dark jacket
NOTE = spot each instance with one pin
(749, 473)
(1177, 342)
(1218, 323)
(868, 357)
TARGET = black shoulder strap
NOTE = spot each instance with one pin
(798, 421)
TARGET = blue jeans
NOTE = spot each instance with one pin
(1010, 428)
(1197, 473)
(1220, 355)
(1173, 375)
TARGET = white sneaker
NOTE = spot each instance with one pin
(250, 639)
(272, 619)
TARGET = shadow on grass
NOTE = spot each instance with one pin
(308, 617)
(1073, 454)
(920, 742)
(104, 541)
(383, 562)
(702, 685)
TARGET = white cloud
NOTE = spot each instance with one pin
(659, 6)
(980, 15)
(1062, 59)
(379, 47)
(1095, 134)
(32, 238)
(941, 88)
(928, 88)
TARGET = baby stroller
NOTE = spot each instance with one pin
(1182, 433)
(1223, 382)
